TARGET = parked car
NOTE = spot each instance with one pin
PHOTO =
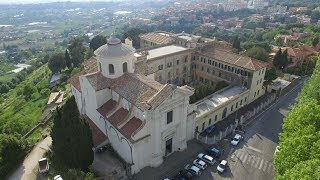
(210, 129)
(214, 152)
(200, 164)
(222, 166)
(183, 175)
(206, 158)
(236, 139)
(193, 169)
(57, 177)
(43, 165)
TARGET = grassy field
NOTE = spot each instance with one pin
(19, 115)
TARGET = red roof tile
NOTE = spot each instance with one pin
(90, 66)
(107, 107)
(157, 37)
(130, 127)
(118, 116)
(98, 136)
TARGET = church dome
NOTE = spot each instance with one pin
(114, 49)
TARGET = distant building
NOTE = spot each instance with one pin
(55, 99)
(54, 80)
(155, 39)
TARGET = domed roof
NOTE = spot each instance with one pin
(114, 48)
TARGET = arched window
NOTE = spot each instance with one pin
(224, 114)
(111, 69)
(125, 67)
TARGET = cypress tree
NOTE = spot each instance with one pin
(68, 59)
(71, 138)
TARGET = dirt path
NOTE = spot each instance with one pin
(28, 170)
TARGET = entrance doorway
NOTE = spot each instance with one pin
(168, 146)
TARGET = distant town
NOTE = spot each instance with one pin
(168, 89)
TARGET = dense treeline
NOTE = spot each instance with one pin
(299, 155)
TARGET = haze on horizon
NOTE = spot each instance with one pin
(48, 1)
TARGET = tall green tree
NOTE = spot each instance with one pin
(277, 58)
(68, 59)
(28, 90)
(133, 34)
(315, 41)
(71, 137)
(56, 62)
(258, 53)
(271, 74)
(299, 155)
(236, 43)
(97, 41)
(77, 50)
(12, 151)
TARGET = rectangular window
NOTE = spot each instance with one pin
(245, 99)
(197, 129)
(232, 108)
(203, 125)
(210, 121)
(160, 67)
(241, 102)
(208, 70)
(215, 64)
(258, 92)
(204, 60)
(169, 117)
(169, 64)
(232, 69)
(257, 82)
(215, 118)
(177, 62)
(236, 105)
(254, 94)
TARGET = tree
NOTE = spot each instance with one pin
(277, 58)
(97, 41)
(236, 43)
(56, 62)
(299, 155)
(4, 88)
(71, 138)
(271, 74)
(12, 151)
(315, 41)
(68, 59)
(133, 34)
(28, 90)
(258, 53)
(76, 50)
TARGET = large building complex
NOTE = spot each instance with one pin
(139, 99)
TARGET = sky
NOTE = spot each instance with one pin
(43, 1)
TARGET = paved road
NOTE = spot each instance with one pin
(253, 157)
(28, 170)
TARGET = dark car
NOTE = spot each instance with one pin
(215, 152)
(210, 129)
(183, 175)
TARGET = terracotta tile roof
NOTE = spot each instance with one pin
(90, 66)
(118, 116)
(233, 59)
(107, 107)
(74, 80)
(98, 81)
(158, 98)
(130, 127)
(98, 136)
(135, 88)
(157, 38)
